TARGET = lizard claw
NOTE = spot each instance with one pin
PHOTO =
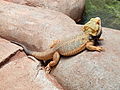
(47, 69)
(41, 68)
(100, 39)
(100, 49)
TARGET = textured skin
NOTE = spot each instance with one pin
(71, 46)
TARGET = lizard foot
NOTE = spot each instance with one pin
(100, 39)
(100, 49)
(47, 69)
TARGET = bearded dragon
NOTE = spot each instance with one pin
(91, 33)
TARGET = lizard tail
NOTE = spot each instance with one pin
(29, 52)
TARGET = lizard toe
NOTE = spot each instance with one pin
(100, 49)
(47, 69)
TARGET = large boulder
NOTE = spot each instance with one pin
(92, 70)
(38, 27)
(107, 10)
(18, 72)
(35, 28)
(72, 8)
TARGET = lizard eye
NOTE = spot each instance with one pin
(98, 22)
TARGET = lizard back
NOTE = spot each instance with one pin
(74, 45)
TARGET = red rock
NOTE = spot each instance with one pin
(21, 73)
(7, 49)
(22, 76)
(35, 28)
(92, 70)
(87, 70)
(72, 8)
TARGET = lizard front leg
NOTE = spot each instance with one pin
(90, 46)
(54, 43)
(55, 60)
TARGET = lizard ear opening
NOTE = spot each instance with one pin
(85, 28)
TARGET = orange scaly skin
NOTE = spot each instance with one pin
(68, 47)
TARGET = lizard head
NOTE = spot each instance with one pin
(93, 27)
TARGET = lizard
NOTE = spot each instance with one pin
(91, 32)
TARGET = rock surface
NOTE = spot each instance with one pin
(18, 72)
(85, 71)
(107, 10)
(92, 70)
(72, 8)
(7, 49)
(36, 28)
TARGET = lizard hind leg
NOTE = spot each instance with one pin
(56, 58)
